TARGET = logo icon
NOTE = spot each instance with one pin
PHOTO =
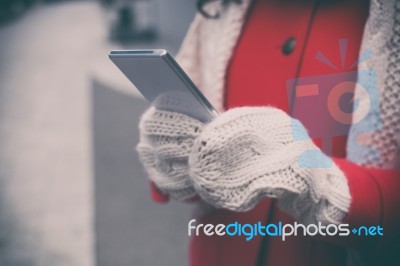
(328, 105)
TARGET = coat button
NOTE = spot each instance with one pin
(289, 46)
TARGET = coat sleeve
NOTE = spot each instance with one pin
(375, 201)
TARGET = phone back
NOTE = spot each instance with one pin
(163, 82)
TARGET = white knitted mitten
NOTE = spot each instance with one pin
(166, 139)
(248, 153)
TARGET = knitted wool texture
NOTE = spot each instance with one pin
(323, 192)
(166, 139)
(243, 155)
(375, 141)
(250, 152)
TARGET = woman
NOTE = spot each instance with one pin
(265, 61)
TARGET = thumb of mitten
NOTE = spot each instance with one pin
(166, 139)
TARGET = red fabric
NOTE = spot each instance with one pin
(375, 201)
(258, 75)
(157, 195)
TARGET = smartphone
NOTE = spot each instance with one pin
(161, 80)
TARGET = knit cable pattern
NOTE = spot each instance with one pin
(245, 154)
(166, 139)
(249, 153)
(218, 169)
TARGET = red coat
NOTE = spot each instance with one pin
(280, 42)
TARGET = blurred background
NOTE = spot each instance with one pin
(72, 191)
